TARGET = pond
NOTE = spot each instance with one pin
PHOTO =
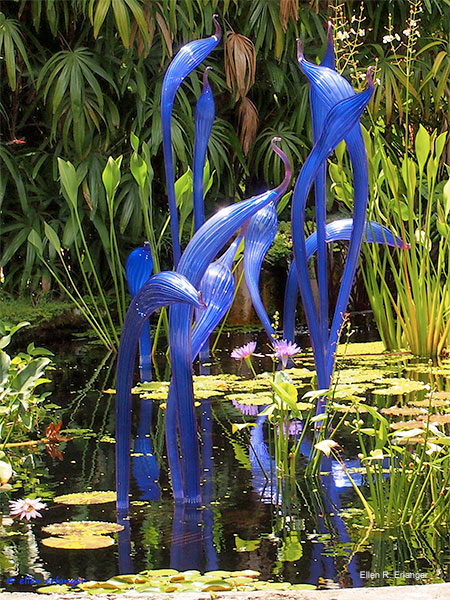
(303, 531)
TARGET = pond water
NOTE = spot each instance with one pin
(301, 534)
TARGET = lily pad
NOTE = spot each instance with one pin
(54, 589)
(400, 386)
(406, 411)
(79, 542)
(254, 399)
(86, 498)
(82, 528)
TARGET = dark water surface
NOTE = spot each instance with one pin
(244, 524)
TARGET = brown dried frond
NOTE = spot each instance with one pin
(165, 32)
(143, 47)
(240, 63)
(288, 8)
(248, 124)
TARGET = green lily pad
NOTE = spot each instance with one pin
(82, 528)
(253, 399)
(54, 589)
(86, 498)
(160, 572)
(400, 386)
(79, 542)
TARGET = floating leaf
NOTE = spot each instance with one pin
(272, 585)
(160, 572)
(303, 586)
(86, 498)
(403, 425)
(251, 399)
(218, 574)
(54, 589)
(82, 528)
(360, 349)
(403, 411)
(245, 573)
(79, 542)
(401, 386)
(432, 401)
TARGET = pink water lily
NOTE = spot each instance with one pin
(244, 351)
(27, 508)
(284, 349)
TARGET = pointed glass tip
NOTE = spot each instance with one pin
(205, 75)
(218, 32)
(300, 55)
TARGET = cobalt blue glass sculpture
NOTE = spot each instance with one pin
(336, 231)
(160, 290)
(187, 59)
(337, 109)
(139, 267)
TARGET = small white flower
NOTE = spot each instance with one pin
(326, 446)
(352, 31)
(353, 19)
(27, 508)
(387, 39)
(362, 75)
(418, 34)
(342, 35)
(377, 80)
(397, 37)
(412, 23)
(407, 32)
(361, 32)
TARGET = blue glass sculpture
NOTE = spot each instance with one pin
(258, 239)
(160, 290)
(336, 231)
(338, 110)
(200, 252)
(139, 268)
(187, 59)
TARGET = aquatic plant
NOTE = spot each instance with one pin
(22, 403)
(27, 508)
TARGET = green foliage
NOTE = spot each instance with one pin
(408, 289)
(21, 405)
(91, 90)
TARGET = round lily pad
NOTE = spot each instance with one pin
(82, 528)
(86, 498)
(79, 542)
(255, 398)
